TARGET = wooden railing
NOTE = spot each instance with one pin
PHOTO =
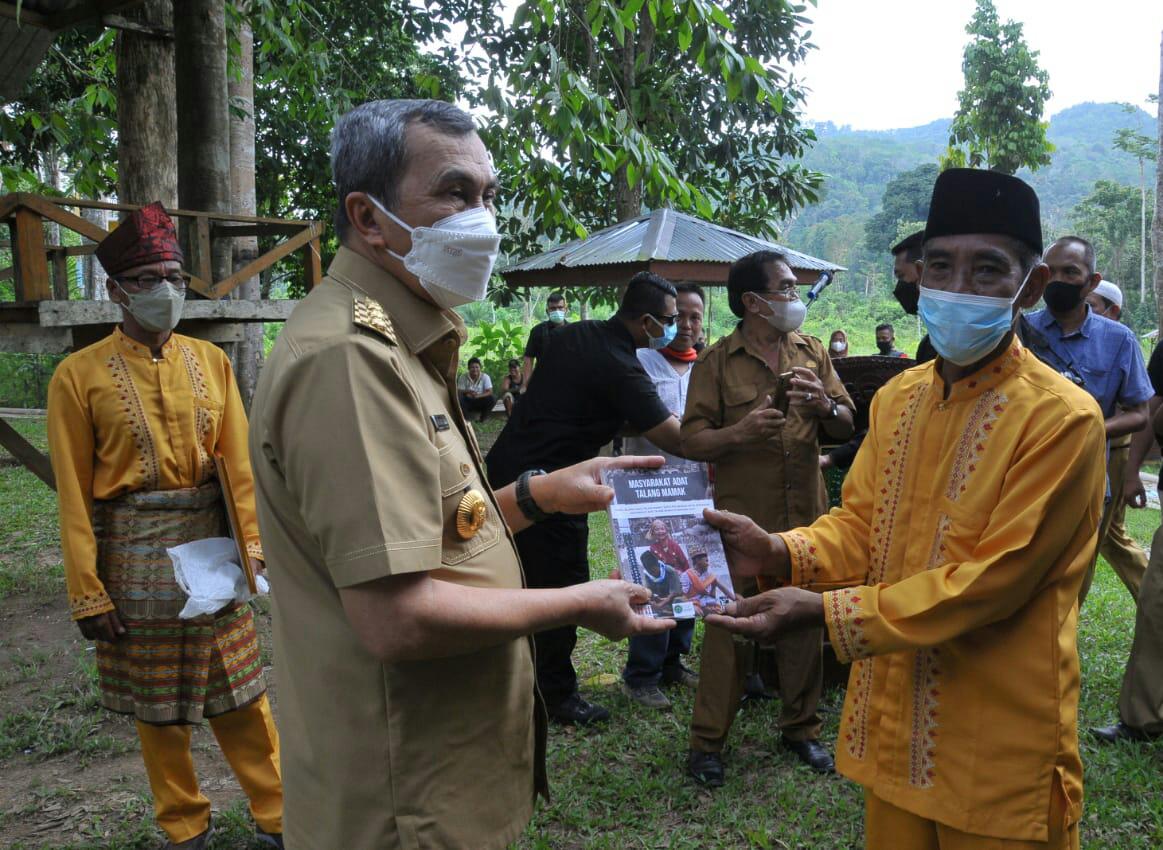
(37, 267)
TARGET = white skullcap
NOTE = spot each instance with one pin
(1110, 291)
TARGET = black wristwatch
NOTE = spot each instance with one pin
(525, 502)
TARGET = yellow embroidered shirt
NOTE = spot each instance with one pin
(966, 527)
(120, 421)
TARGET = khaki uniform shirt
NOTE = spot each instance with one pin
(778, 482)
(361, 459)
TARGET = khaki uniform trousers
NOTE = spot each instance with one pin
(1141, 698)
(1124, 555)
(887, 827)
(724, 665)
(249, 741)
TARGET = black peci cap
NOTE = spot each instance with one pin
(969, 200)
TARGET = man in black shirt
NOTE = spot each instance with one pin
(1141, 698)
(905, 255)
(556, 309)
(588, 383)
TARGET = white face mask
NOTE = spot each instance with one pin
(838, 346)
(786, 316)
(156, 310)
(453, 258)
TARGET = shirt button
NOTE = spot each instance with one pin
(787, 486)
(465, 469)
(787, 454)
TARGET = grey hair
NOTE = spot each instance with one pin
(369, 148)
(1087, 250)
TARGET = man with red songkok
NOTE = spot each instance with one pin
(135, 423)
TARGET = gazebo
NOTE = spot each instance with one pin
(675, 245)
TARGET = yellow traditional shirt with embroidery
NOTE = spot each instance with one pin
(120, 421)
(967, 525)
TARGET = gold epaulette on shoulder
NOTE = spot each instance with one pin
(367, 313)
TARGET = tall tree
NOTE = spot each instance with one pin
(1109, 218)
(147, 112)
(999, 123)
(1143, 148)
(240, 89)
(680, 103)
(1158, 229)
(906, 198)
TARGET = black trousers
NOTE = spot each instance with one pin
(553, 553)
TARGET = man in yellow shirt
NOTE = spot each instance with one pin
(951, 572)
(135, 423)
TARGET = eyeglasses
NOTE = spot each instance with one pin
(789, 294)
(153, 283)
(664, 320)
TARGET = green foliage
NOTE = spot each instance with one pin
(1109, 218)
(999, 121)
(906, 198)
(24, 379)
(496, 343)
(686, 104)
(65, 113)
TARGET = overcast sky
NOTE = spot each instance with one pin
(882, 64)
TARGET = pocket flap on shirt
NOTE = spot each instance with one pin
(739, 393)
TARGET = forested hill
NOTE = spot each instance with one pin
(860, 163)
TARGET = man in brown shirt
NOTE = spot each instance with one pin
(406, 695)
(755, 407)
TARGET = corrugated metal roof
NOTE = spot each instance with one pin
(664, 235)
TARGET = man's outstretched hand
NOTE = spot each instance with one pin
(608, 609)
(769, 615)
(578, 489)
(751, 551)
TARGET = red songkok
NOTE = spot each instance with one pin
(147, 236)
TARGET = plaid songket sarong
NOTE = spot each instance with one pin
(165, 669)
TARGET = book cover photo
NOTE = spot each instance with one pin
(663, 542)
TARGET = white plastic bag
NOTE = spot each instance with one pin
(208, 571)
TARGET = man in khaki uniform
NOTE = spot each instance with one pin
(406, 690)
(763, 439)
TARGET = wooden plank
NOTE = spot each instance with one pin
(60, 275)
(54, 212)
(237, 231)
(32, 280)
(213, 216)
(312, 265)
(201, 264)
(263, 261)
(24, 15)
(70, 314)
(28, 454)
(33, 339)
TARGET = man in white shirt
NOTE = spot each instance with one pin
(475, 390)
(654, 660)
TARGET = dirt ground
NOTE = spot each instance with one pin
(70, 772)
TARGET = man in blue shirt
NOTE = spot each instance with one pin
(1100, 355)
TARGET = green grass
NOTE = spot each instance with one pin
(620, 787)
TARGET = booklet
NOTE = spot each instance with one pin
(663, 542)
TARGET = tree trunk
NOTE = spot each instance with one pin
(203, 129)
(242, 201)
(1142, 231)
(94, 274)
(1158, 234)
(147, 112)
(203, 112)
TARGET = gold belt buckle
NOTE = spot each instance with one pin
(471, 514)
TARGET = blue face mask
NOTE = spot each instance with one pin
(669, 332)
(962, 327)
(557, 316)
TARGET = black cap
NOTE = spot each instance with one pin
(913, 240)
(968, 200)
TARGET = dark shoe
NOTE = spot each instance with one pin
(812, 753)
(573, 709)
(268, 839)
(705, 768)
(1120, 732)
(681, 676)
(647, 696)
(198, 842)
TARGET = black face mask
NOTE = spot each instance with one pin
(884, 347)
(1062, 297)
(907, 295)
